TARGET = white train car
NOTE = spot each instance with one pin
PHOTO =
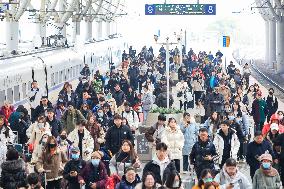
(53, 68)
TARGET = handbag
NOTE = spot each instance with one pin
(179, 94)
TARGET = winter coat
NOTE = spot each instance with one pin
(65, 97)
(147, 101)
(70, 119)
(190, 134)
(115, 135)
(216, 102)
(259, 110)
(41, 110)
(199, 150)
(161, 100)
(55, 127)
(161, 170)
(154, 134)
(180, 88)
(98, 135)
(119, 97)
(240, 180)
(93, 174)
(34, 97)
(55, 165)
(6, 112)
(20, 126)
(73, 165)
(121, 161)
(124, 184)
(197, 85)
(272, 104)
(211, 126)
(59, 113)
(5, 140)
(97, 84)
(261, 181)
(175, 142)
(34, 133)
(13, 174)
(87, 143)
(219, 143)
(85, 71)
(226, 92)
(132, 118)
(254, 151)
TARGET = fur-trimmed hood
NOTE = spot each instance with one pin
(13, 165)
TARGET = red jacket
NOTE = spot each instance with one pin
(6, 112)
(266, 129)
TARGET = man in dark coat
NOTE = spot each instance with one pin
(133, 72)
(44, 105)
(216, 101)
(116, 134)
(118, 95)
(272, 103)
(73, 168)
(55, 125)
(86, 71)
(203, 152)
(255, 149)
(161, 165)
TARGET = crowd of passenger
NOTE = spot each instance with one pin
(87, 137)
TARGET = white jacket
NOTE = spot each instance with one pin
(175, 142)
(34, 133)
(87, 143)
(38, 94)
(180, 87)
(240, 180)
(132, 118)
(219, 144)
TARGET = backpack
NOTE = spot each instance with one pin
(112, 181)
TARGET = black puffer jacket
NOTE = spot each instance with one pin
(13, 174)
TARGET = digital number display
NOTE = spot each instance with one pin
(180, 9)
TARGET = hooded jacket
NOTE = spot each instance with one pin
(160, 169)
(240, 180)
(13, 174)
(219, 143)
(262, 181)
(266, 127)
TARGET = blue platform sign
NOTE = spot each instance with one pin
(180, 9)
(4, 7)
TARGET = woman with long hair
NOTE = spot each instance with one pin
(148, 182)
(52, 162)
(85, 110)
(212, 124)
(96, 131)
(126, 157)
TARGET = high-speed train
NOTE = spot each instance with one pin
(51, 69)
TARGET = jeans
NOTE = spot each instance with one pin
(186, 163)
(177, 164)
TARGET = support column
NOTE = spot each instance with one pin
(88, 30)
(107, 29)
(76, 31)
(272, 43)
(266, 42)
(99, 30)
(41, 31)
(12, 36)
(280, 47)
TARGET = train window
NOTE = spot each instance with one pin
(24, 90)
(17, 93)
(70, 73)
(52, 79)
(74, 71)
(56, 78)
(10, 95)
(2, 97)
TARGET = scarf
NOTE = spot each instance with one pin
(270, 173)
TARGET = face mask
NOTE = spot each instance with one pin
(127, 111)
(280, 117)
(228, 109)
(63, 137)
(95, 162)
(231, 117)
(40, 125)
(52, 145)
(100, 114)
(271, 93)
(266, 165)
(75, 156)
(206, 180)
(43, 142)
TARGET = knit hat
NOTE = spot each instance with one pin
(265, 157)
